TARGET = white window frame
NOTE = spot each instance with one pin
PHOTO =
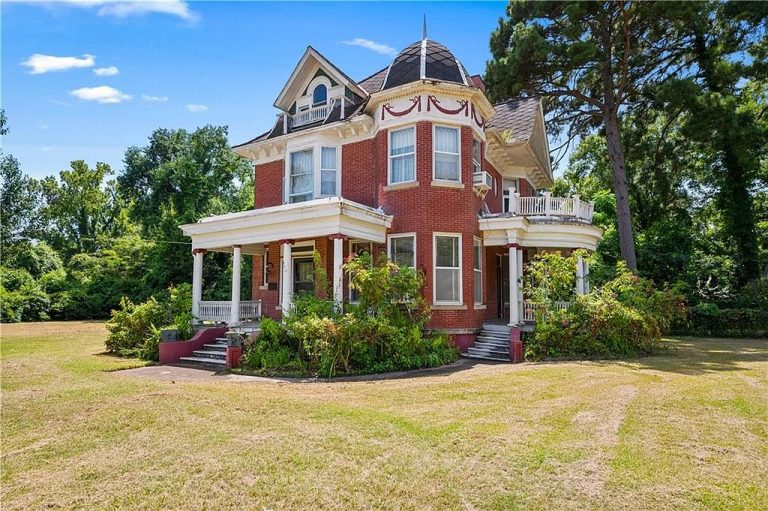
(312, 95)
(336, 170)
(370, 251)
(435, 151)
(475, 243)
(317, 151)
(402, 235)
(389, 154)
(505, 198)
(435, 301)
(476, 163)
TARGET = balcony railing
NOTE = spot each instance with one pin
(529, 309)
(219, 311)
(314, 114)
(546, 205)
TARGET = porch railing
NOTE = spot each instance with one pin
(529, 309)
(219, 311)
(546, 205)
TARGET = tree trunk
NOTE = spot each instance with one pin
(620, 188)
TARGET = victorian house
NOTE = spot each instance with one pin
(414, 161)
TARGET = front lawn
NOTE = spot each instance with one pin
(685, 430)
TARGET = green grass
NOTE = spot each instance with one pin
(684, 430)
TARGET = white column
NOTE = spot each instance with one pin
(286, 277)
(338, 271)
(547, 203)
(197, 281)
(513, 202)
(579, 276)
(234, 313)
(514, 291)
(585, 272)
(520, 280)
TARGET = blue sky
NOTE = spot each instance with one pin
(185, 64)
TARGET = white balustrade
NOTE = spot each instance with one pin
(529, 309)
(553, 206)
(314, 114)
(219, 311)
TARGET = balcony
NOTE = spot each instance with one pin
(314, 114)
(546, 205)
(220, 311)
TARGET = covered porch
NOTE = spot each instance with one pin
(292, 228)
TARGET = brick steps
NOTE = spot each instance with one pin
(492, 343)
(214, 354)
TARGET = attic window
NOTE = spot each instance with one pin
(320, 95)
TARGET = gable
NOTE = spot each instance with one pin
(313, 67)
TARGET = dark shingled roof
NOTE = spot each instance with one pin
(439, 64)
(373, 83)
(517, 116)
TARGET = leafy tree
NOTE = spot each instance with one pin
(592, 60)
(725, 109)
(76, 207)
(178, 178)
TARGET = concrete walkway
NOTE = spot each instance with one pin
(179, 373)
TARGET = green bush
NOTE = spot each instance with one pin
(383, 332)
(707, 319)
(625, 317)
(135, 329)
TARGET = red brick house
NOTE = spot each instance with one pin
(413, 161)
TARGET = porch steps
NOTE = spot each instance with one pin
(214, 354)
(492, 343)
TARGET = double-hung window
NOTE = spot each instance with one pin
(402, 249)
(328, 170)
(302, 177)
(446, 157)
(447, 272)
(477, 165)
(402, 155)
(477, 267)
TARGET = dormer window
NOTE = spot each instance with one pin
(320, 95)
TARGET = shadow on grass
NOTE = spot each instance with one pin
(695, 356)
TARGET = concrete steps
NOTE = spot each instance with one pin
(212, 355)
(492, 343)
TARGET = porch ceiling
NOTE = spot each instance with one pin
(311, 219)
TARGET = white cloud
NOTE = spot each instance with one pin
(371, 45)
(197, 108)
(125, 8)
(39, 63)
(102, 94)
(106, 71)
(154, 99)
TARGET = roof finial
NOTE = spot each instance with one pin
(424, 29)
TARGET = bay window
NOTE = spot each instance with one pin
(447, 268)
(402, 249)
(313, 173)
(446, 154)
(402, 155)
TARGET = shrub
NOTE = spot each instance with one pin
(707, 319)
(135, 329)
(625, 317)
(383, 332)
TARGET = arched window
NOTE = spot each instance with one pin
(319, 95)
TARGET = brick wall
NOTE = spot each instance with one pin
(268, 184)
(358, 172)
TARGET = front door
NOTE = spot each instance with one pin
(303, 275)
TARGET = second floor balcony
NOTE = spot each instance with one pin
(546, 205)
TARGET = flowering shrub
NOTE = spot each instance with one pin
(384, 331)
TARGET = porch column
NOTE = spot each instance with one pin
(580, 276)
(338, 270)
(520, 280)
(585, 271)
(234, 313)
(197, 280)
(514, 285)
(285, 275)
